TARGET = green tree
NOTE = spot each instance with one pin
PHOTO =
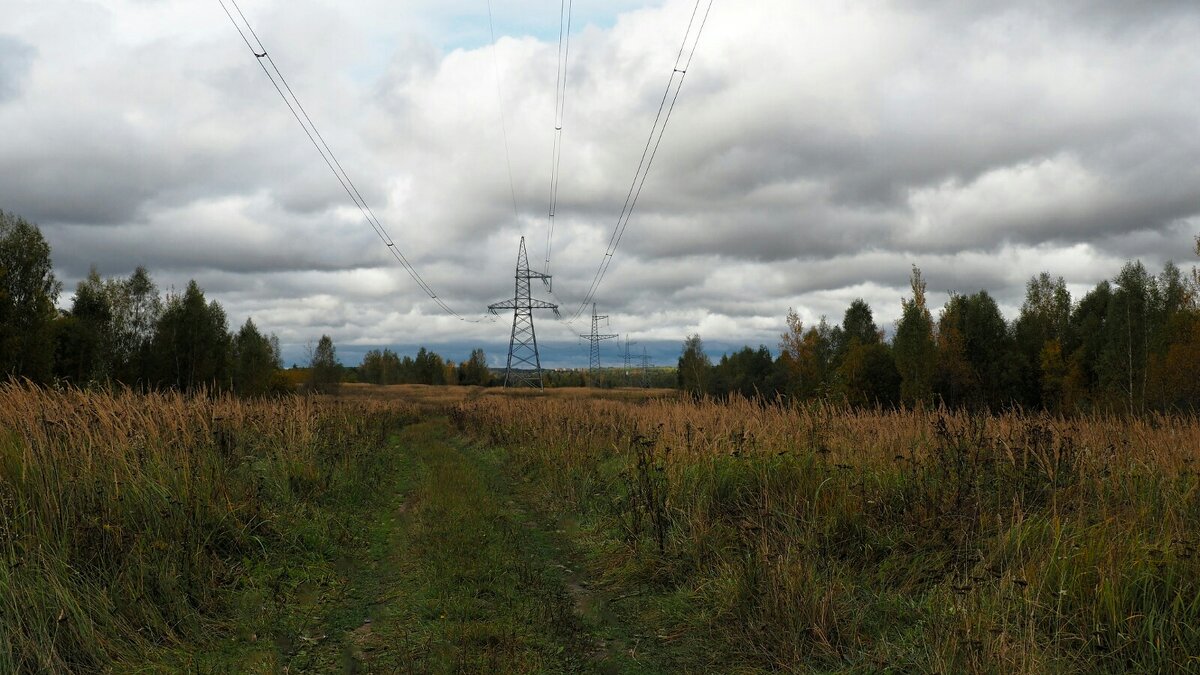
(1053, 371)
(1173, 327)
(1174, 368)
(1177, 386)
(695, 368)
(972, 330)
(474, 371)
(914, 347)
(428, 368)
(1129, 329)
(747, 372)
(84, 339)
(868, 375)
(954, 381)
(389, 368)
(255, 361)
(28, 291)
(406, 370)
(806, 358)
(371, 369)
(136, 309)
(437, 369)
(858, 329)
(1045, 317)
(1084, 343)
(191, 342)
(858, 323)
(325, 375)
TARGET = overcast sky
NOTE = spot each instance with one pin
(818, 150)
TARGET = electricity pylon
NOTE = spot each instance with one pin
(645, 369)
(595, 338)
(628, 360)
(522, 346)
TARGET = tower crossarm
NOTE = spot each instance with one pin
(542, 304)
(504, 304)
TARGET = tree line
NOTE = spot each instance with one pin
(1130, 344)
(427, 367)
(121, 330)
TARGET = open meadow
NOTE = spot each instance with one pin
(132, 524)
(336, 337)
(457, 529)
(928, 541)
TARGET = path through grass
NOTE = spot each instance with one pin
(451, 574)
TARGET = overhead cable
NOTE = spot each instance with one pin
(674, 85)
(512, 188)
(560, 110)
(261, 54)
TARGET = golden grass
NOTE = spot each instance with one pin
(917, 541)
(860, 437)
(779, 538)
(126, 518)
(441, 396)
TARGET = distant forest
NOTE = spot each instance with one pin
(1129, 345)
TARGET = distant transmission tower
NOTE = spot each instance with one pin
(645, 369)
(522, 346)
(596, 338)
(628, 361)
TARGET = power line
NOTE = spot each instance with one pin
(560, 109)
(674, 85)
(512, 188)
(559, 115)
(331, 160)
(565, 10)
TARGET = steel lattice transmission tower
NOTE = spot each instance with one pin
(628, 361)
(595, 338)
(522, 346)
(645, 369)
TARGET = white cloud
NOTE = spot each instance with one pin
(817, 150)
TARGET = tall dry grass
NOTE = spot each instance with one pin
(930, 541)
(440, 396)
(126, 519)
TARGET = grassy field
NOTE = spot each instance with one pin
(134, 525)
(454, 529)
(436, 398)
(862, 541)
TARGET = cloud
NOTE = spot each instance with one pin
(817, 150)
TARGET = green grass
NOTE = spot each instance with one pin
(187, 534)
(449, 573)
(468, 588)
(962, 557)
(168, 534)
(137, 527)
